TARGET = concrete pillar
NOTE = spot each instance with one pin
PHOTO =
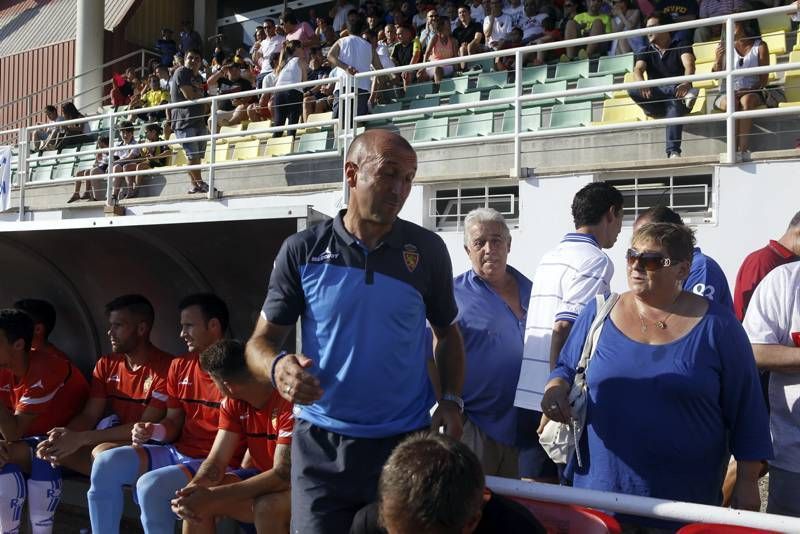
(88, 55)
(205, 22)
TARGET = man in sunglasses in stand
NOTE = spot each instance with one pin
(567, 278)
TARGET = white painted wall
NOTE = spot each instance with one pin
(754, 204)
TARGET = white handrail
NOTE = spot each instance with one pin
(643, 506)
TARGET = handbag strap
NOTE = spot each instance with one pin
(604, 307)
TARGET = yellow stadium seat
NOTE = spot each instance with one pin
(221, 155)
(247, 149)
(775, 22)
(791, 88)
(316, 117)
(699, 107)
(776, 41)
(178, 154)
(260, 125)
(618, 110)
(238, 128)
(704, 68)
(705, 52)
(279, 146)
(627, 79)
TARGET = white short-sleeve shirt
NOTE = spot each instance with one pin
(566, 280)
(290, 73)
(772, 316)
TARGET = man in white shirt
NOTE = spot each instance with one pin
(567, 278)
(340, 18)
(353, 54)
(497, 25)
(514, 10)
(531, 22)
(772, 323)
(272, 44)
(476, 11)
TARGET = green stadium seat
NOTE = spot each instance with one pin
(597, 81)
(450, 86)
(429, 102)
(486, 65)
(495, 94)
(491, 80)
(615, 65)
(571, 115)
(314, 142)
(417, 90)
(531, 120)
(532, 75)
(475, 125)
(459, 98)
(571, 71)
(549, 87)
(64, 170)
(431, 130)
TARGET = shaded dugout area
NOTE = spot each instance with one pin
(80, 270)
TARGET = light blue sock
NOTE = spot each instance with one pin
(155, 490)
(111, 470)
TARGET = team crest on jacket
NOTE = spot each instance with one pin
(410, 257)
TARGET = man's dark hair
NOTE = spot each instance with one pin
(192, 51)
(211, 306)
(795, 220)
(50, 108)
(593, 201)
(225, 360)
(269, 20)
(135, 304)
(40, 311)
(16, 324)
(126, 125)
(660, 214)
(103, 139)
(355, 25)
(662, 18)
(289, 16)
(431, 483)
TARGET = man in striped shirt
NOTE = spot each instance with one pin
(567, 278)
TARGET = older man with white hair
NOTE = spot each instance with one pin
(492, 300)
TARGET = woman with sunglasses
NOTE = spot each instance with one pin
(672, 386)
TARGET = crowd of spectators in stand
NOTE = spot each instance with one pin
(309, 45)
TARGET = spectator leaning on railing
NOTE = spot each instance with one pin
(665, 57)
(189, 120)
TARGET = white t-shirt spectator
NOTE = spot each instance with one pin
(290, 73)
(420, 19)
(477, 13)
(269, 80)
(772, 316)
(356, 52)
(497, 28)
(269, 46)
(567, 278)
(383, 55)
(532, 26)
(340, 20)
(516, 13)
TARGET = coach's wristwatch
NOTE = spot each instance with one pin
(454, 398)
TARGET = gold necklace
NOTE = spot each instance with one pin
(662, 324)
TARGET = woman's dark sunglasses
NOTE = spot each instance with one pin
(651, 261)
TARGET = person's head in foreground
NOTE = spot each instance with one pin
(431, 484)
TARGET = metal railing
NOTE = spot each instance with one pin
(643, 506)
(30, 113)
(348, 128)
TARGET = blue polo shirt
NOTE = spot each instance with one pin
(707, 280)
(363, 318)
(493, 341)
